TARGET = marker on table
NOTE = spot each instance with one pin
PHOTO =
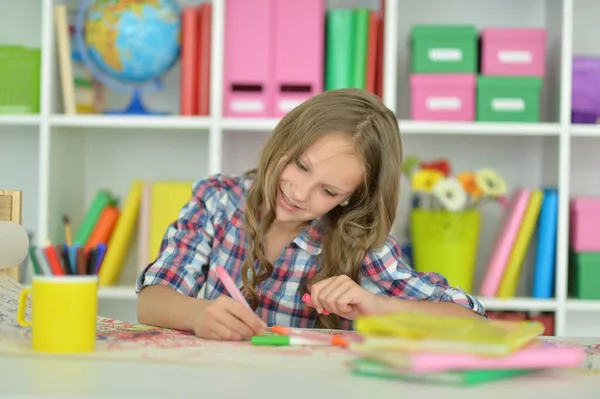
(328, 339)
(308, 300)
(285, 340)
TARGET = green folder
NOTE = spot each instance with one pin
(371, 368)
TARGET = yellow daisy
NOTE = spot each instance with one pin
(424, 180)
(490, 182)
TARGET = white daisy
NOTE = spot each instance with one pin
(451, 193)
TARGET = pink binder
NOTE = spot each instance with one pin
(248, 90)
(299, 46)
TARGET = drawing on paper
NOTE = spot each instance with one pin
(133, 342)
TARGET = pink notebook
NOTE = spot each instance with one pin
(504, 244)
(531, 358)
(534, 358)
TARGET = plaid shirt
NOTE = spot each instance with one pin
(209, 232)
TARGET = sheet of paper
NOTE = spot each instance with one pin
(133, 342)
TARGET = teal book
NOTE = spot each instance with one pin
(371, 368)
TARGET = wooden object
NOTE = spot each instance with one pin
(11, 203)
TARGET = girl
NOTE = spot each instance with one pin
(314, 217)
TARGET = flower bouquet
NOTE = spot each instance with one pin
(445, 218)
(434, 187)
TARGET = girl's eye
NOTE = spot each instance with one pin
(328, 193)
(300, 165)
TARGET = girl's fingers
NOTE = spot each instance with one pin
(251, 323)
(336, 299)
(316, 293)
(224, 332)
(228, 319)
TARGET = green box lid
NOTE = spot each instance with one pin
(587, 258)
(499, 81)
(445, 31)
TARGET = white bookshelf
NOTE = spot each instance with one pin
(60, 161)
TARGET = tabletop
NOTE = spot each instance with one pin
(52, 377)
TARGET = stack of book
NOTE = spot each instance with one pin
(455, 351)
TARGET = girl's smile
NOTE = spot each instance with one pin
(285, 203)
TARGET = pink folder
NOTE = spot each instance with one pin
(504, 244)
(248, 91)
(299, 46)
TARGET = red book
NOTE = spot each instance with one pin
(372, 43)
(189, 62)
(203, 70)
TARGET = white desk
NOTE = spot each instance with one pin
(29, 377)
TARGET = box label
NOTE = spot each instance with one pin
(289, 104)
(246, 105)
(445, 54)
(443, 103)
(508, 104)
(515, 57)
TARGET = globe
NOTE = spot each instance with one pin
(128, 45)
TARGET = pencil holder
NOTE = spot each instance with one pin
(446, 243)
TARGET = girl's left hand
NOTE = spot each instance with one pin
(342, 296)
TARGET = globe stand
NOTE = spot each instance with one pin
(135, 107)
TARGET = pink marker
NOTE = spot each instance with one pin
(306, 299)
(230, 286)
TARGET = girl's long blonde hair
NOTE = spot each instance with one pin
(351, 230)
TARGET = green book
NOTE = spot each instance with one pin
(339, 49)
(371, 368)
(361, 42)
(102, 199)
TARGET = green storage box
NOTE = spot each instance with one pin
(508, 99)
(19, 80)
(444, 49)
(584, 275)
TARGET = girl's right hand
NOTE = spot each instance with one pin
(228, 320)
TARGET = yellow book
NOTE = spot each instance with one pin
(166, 200)
(121, 237)
(423, 332)
(510, 280)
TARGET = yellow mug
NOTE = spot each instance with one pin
(63, 315)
